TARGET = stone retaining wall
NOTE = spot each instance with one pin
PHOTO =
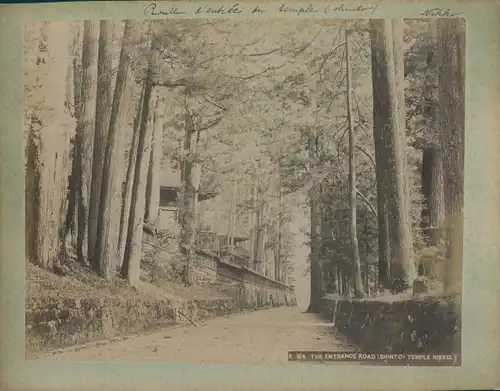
(255, 290)
(56, 323)
(417, 325)
(53, 323)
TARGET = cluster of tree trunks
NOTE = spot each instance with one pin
(442, 167)
(81, 203)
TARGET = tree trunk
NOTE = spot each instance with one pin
(47, 151)
(133, 247)
(433, 194)
(384, 253)
(278, 227)
(258, 231)
(155, 163)
(252, 225)
(110, 195)
(388, 124)
(85, 132)
(356, 259)
(399, 67)
(261, 236)
(217, 241)
(333, 276)
(367, 249)
(265, 259)
(232, 222)
(187, 198)
(72, 215)
(129, 184)
(315, 211)
(432, 162)
(339, 281)
(102, 118)
(195, 184)
(451, 124)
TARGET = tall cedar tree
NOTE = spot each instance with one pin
(85, 132)
(451, 113)
(47, 151)
(356, 260)
(133, 246)
(109, 217)
(102, 115)
(315, 213)
(129, 184)
(388, 128)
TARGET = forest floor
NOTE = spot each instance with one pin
(78, 281)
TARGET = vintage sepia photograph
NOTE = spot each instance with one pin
(245, 191)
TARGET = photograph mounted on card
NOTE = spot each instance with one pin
(287, 190)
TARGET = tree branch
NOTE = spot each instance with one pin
(366, 154)
(367, 202)
(210, 125)
(271, 68)
(263, 53)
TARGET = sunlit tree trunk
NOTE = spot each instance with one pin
(356, 259)
(451, 33)
(102, 115)
(315, 216)
(398, 45)
(85, 132)
(48, 146)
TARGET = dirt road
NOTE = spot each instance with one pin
(261, 337)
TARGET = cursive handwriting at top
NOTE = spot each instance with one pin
(343, 8)
(439, 12)
(298, 11)
(258, 10)
(222, 10)
(151, 10)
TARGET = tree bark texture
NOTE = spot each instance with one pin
(71, 223)
(133, 248)
(315, 216)
(187, 198)
(355, 259)
(388, 128)
(432, 161)
(85, 132)
(102, 118)
(451, 33)
(48, 146)
(129, 184)
(110, 194)
(399, 67)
